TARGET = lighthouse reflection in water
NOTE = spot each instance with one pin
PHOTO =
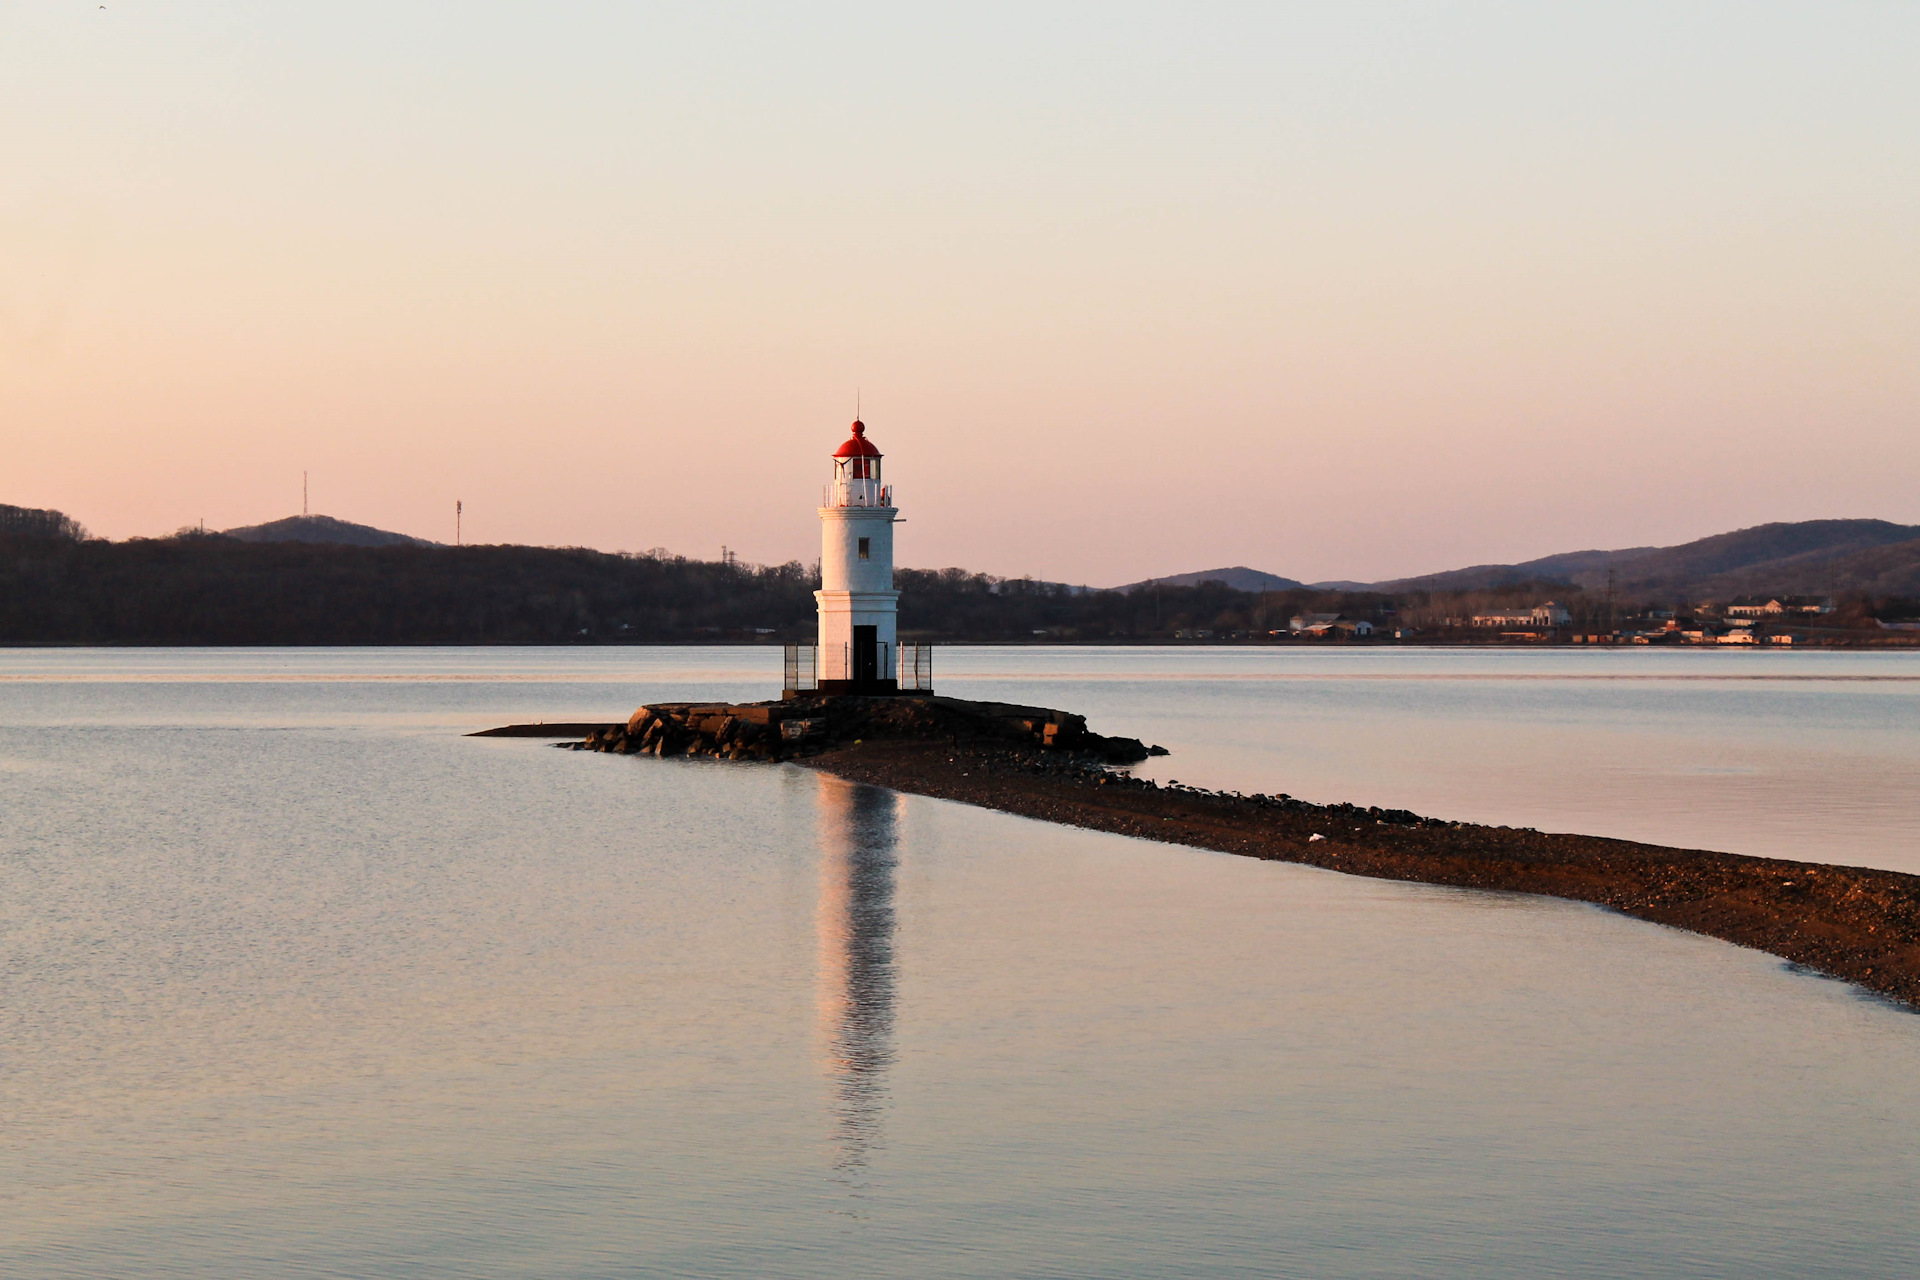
(856, 922)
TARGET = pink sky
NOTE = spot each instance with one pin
(1330, 290)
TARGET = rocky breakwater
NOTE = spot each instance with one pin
(1861, 924)
(804, 727)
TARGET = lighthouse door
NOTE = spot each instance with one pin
(866, 654)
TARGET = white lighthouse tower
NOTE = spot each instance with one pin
(858, 604)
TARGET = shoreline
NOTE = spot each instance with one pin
(1856, 924)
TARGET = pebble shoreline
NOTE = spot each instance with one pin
(1859, 924)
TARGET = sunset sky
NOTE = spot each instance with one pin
(1336, 290)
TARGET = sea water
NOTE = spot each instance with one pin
(298, 981)
(1789, 755)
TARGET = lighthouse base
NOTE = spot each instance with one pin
(908, 668)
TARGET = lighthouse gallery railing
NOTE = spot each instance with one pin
(851, 491)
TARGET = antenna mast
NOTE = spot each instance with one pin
(303, 494)
(457, 504)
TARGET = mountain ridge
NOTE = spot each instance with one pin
(324, 529)
(1805, 557)
(1239, 577)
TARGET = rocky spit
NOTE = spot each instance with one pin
(1854, 923)
(806, 727)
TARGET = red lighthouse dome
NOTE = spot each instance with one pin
(857, 446)
(857, 459)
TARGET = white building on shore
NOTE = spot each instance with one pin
(1550, 614)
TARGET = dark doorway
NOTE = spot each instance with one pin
(866, 654)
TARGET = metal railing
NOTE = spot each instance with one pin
(856, 492)
(915, 667)
(911, 665)
(803, 672)
(836, 662)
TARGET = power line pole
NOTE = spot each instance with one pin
(456, 521)
(303, 495)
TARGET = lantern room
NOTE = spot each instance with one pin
(856, 474)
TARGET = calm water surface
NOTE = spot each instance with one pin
(297, 981)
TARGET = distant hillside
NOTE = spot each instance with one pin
(1565, 567)
(1239, 577)
(1889, 570)
(1806, 557)
(325, 529)
(1764, 557)
(34, 522)
(208, 589)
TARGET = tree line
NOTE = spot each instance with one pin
(59, 587)
(193, 589)
(29, 522)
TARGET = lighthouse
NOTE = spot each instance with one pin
(857, 602)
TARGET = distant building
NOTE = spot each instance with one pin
(1774, 606)
(1335, 625)
(1550, 614)
(1553, 613)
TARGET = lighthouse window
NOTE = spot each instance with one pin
(866, 545)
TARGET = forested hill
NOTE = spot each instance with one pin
(215, 590)
(222, 591)
(1805, 556)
